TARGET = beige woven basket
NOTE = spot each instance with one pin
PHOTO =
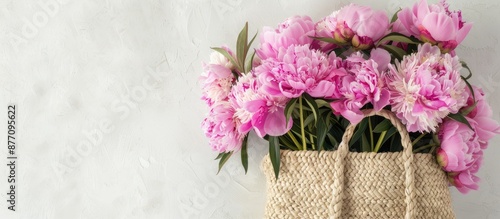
(343, 184)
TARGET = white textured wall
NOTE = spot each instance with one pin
(95, 140)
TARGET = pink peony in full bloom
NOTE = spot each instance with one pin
(434, 24)
(425, 87)
(216, 79)
(362, 84)
(359, 25)
(221, 128)
(299, 69)
(245, 90)
(269, 116)
(295, 30)
(255, 109)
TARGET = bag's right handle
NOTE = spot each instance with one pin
(407, 155)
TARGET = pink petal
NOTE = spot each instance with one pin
(381, 57)
(462, 33)
(254, 105)
(383, 101)
(423, 9)
(323, 89)
(440, 26)
(275, 124)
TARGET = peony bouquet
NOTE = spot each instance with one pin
(307, 81)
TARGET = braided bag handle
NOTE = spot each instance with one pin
(335, 207)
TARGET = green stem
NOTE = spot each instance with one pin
(424, 147)
(312, 141)
(304, 147)
(418, 138)
(379, 142)
(297, 144)
(371, 132)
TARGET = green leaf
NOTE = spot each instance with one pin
(251, 41)
(382, 126)
(219, 156)
(389, 134)
(365, 145)
(224, 159)
(308, 120)
(322, 103)
(321, 131)
(397, 52)
(359, 132)
(274, 154)
(468, 69)
(225, 54)
(244, 154)
(288, 142)
(396, 143)
(332, 139)
(250, 63)
(312, 104)
(241, 47)
(460, 118)
(469, 109)
(290, 106)
(397, 37)
(395, 16)
(470, 88)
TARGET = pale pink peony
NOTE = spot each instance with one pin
(466, 180)
(435, 24)
(461, 149)
(244, 91)
(299, 69)
(359, 25)
(459, 145)
(362, 84)
(216, 79)
(216, 82)
(221, 128)
(293, 31)
(425, 87)
(486, 127)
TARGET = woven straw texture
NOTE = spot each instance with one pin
(342, 184)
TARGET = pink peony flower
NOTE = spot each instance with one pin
(486, 127)
(216, 79)
(299, 69)
(216, 83)
(269, 116)
(435, 24)
(359, 25)
(221, 128)
(361, 84)
(255, 109)
(459, 145)
(293, 31)
(464, 181)
(245, 90)
(461, 150)
(425, 87)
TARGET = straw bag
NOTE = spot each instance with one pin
(343, 184)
